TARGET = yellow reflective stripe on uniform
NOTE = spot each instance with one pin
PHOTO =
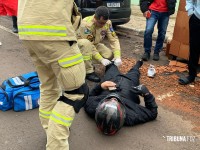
(117, 53)
(107, 26)
(89, 19)
(87, 57)
(98, 56)
(42, 30)
(58, 118)
(44, 114)
(71, 61)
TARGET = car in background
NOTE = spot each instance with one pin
(120, 10)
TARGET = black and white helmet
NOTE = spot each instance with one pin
(110, 114)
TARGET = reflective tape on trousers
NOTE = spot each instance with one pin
(71, 61)
(42, 30)
(60, 119)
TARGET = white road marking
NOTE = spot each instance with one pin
(7, 30)
(162, 97)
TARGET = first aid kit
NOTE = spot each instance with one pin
(20, 93)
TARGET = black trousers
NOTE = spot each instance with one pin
(112, 72)
(14, 19)
(194, 29)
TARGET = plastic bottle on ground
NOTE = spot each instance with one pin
(151, 71)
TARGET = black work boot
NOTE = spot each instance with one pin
(139, 63)
(156, 56)
(146, 56)
(15, 28)
(93, 77)
(186, 80)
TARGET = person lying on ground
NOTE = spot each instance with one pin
(115, 101)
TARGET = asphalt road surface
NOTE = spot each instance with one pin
(22, 130)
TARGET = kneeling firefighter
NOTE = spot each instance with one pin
(49, 35)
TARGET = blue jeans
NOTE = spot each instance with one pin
(162, 18)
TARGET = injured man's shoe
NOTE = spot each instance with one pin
(93, 77)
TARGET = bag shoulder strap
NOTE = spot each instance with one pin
(24, 81)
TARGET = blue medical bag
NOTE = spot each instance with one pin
(20, 93)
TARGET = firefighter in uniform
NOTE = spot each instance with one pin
(46, 28)
(91, 33)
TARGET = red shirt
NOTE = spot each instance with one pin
(8, 7)
(159, 5)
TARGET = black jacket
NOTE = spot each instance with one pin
(135, 113)
(171, 4)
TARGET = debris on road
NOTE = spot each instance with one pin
(178, 66)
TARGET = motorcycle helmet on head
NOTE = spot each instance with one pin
(110, 114)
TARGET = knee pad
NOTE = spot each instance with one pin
(77, 104)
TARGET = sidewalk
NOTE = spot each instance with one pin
(138, 23)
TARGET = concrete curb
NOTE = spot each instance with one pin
(139, 32)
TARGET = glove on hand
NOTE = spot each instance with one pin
(117, 61)
(140, 90)
(105, 62)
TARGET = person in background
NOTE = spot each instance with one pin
(193, 9)
(156, 11)
(9, 7)
(15, 27)
(92, 32)
(47, 29)
(114, 102)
